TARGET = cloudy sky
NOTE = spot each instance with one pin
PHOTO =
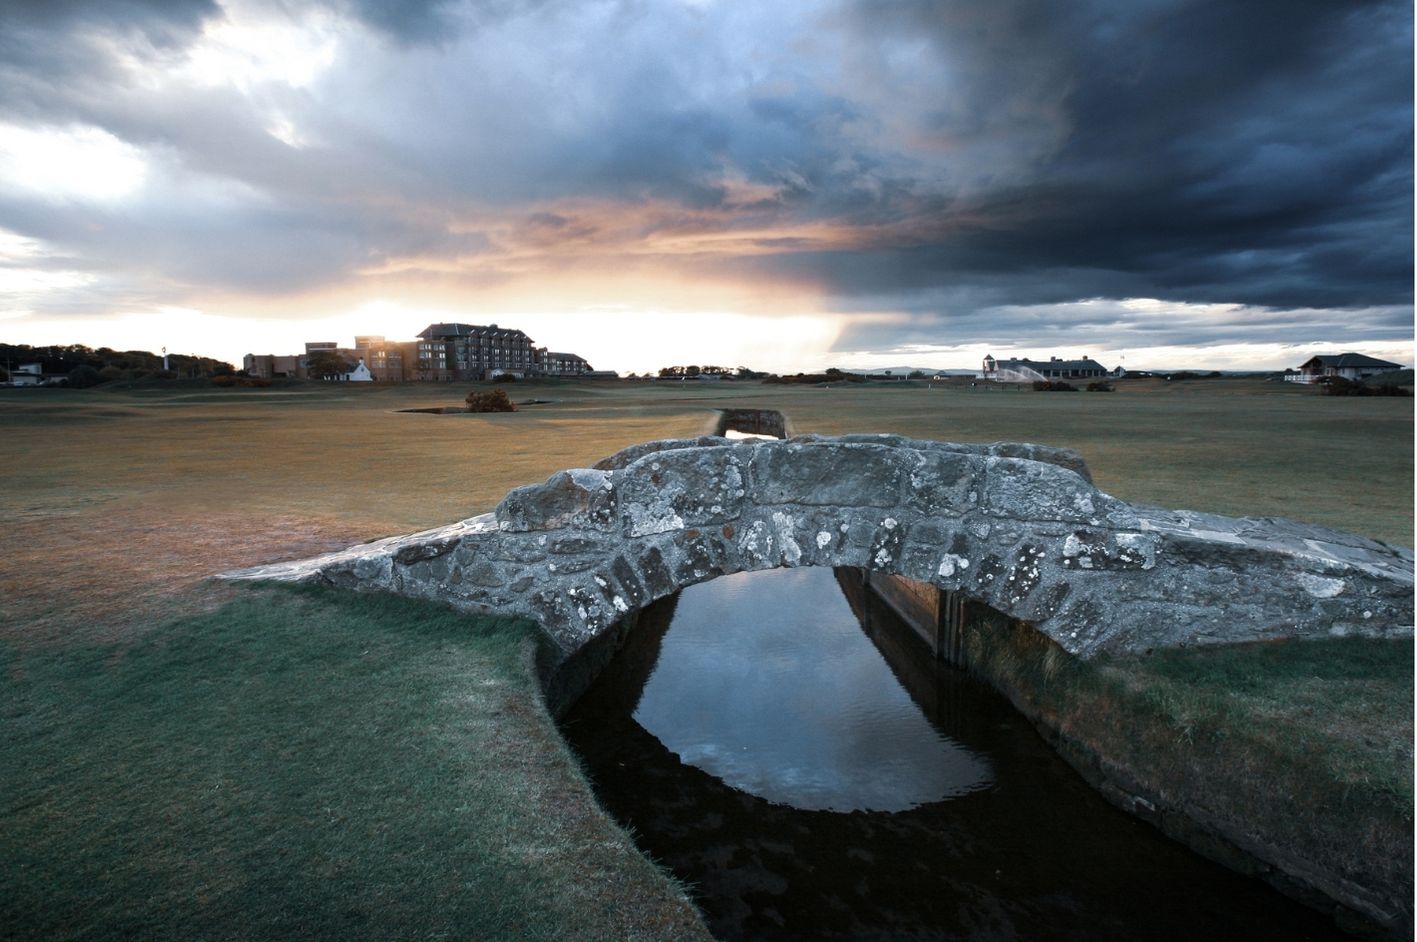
(784, 186)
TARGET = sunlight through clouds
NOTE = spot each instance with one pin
(74, 162)
(247, 48)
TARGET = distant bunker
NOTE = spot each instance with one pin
(1017, 527)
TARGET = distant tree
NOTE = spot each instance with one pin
(916, 374)
(109, 373)
(83, 376)
(833, 371)
(326, 364)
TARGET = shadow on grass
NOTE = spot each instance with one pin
(297, 764)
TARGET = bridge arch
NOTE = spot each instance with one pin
(1017, 527)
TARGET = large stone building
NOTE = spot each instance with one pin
(561, 364)
(1016, 370)
(389, 361)
(442, 353)
(472, 352)
(272, 366)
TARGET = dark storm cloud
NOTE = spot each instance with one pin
(931, 161)
(1256, 153)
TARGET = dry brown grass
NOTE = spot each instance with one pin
(119, 503)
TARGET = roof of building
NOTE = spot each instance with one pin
(1341, 361)
(1086, 363)
(447, 331)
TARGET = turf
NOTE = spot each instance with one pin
(303, 765)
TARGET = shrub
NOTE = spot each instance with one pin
(1338, 386)
(1040, 385)
(504, 378)
(223, 380)
(492, 400)
(1100, 386)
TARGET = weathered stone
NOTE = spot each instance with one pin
(944, 483)
(683, 488)
(572, 546)
(1092, 549)
(628, 456)
(430, 550)
(1017, 527)
(851, 475)
(582, 498)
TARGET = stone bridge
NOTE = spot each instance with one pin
(1017, 527)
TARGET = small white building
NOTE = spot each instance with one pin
(27, 374)
(360, 373)
(1351, 366)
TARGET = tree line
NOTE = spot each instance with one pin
(86, 366)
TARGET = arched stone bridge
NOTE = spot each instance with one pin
(1017, 527)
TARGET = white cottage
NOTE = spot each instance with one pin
(1353, 366)
(360, 373)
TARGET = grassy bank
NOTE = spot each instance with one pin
(1298, 755)
(304, 764)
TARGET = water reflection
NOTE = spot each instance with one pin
(1035, 855)
(793, 703)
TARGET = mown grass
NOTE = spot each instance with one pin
(303, 764)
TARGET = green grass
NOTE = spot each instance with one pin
(301, 764)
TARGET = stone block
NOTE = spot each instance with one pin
(1030, 490)
(847, 475)
(941, 483)
(578, 498)
(684, 488)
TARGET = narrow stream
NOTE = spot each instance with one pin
(760, 746)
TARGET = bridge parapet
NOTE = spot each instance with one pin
(1018, 527)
